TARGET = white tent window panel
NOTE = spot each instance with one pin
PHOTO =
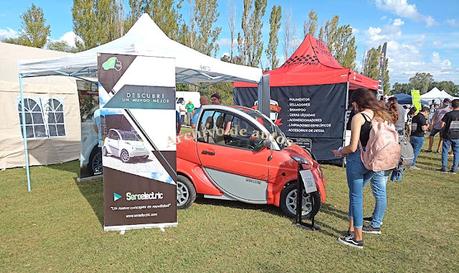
(34, 121)
(55, 118)
(44, 117)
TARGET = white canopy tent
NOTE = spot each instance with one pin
(144, 38)
(435, 94)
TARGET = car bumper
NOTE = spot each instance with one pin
(136, 153)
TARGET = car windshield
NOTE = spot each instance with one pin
(272, 128)
(126, 135)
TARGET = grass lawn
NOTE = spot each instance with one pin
(58, 228)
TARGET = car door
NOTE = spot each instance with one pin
(226, 146)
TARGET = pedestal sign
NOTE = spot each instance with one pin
(137, 101)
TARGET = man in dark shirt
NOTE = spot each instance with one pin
(450, 127)
(418, 128)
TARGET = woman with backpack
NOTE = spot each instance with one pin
(368, 111)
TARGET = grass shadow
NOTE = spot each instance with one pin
(93, 191)
(330, 210)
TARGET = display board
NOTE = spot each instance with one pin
(312, 116)
(137, 101)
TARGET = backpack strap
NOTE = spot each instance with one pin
(366, 117)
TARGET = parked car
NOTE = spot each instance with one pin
(125, 145)
(236, 153)
(91, 153)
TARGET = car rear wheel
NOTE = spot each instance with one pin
(186, 193)
(95, 162)
(311, 202)
(124, 156)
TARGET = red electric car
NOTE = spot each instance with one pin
(236, 153)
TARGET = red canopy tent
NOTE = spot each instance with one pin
(313, 64)
(309, 97)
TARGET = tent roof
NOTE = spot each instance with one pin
(11, 53)
(313, 64)
(435, 93)
(145, 38)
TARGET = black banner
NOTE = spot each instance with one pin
(312, 115)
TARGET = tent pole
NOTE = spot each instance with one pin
(24, 133)
(345, 119)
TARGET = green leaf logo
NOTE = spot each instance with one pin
(112, 63)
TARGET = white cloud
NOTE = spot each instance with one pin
(405, 55)
(69, 37)
(405, 10)
(6, 33)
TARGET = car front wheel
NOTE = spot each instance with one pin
(186, 193)
(311, 202)
(124, 156)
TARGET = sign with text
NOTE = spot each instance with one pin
(137, 97)
(316, 113)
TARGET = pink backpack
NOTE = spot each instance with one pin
(382, 152)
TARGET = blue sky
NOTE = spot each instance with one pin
(422, 36)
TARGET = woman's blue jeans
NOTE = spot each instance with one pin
(416, 142)
(356, 174)
(378, 184)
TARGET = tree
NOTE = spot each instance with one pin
(34, 31)
(166, 15)
(61, 46)
(376, 68)
(274, 22)
(243, 40)
(204, 18)
(256, 25)
(289, 29)
(448, 86)
(97, 22)
(310, 27)
(231, 27)
(340, 41)
(402, 88)
(421, 81)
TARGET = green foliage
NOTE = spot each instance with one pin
(310, 27)
(372, 67)
(205, 15)
(61, 46)
(274, 22)
(34, 31)
(340, 41)
(448, 86)
(402, 88)
(421, 82)
(97, 22)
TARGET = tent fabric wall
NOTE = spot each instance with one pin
(42, 151)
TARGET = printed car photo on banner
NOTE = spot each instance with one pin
(137, 100)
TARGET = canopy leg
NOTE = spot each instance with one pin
(24, 133)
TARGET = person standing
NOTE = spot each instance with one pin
(203, 101)
(418, 128)
(215, 99)
(437, 123)
(400, 122)
(450, 131)
(366, 107)
(189, 112)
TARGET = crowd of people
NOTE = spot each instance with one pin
(188, 114)
(369, 112)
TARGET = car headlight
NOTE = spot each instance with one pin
(299, 159)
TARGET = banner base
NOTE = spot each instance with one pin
(142, 226)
